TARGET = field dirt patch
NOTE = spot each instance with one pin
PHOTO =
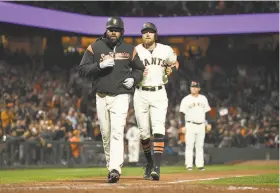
(179, 183)
(258, 163)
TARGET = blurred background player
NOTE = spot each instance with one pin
(193, 108)
(133, 138)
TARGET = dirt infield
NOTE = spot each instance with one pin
(256, 163)
(179, 183)
(260, 163)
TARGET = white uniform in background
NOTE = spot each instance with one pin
(194, 109)
(133, 137)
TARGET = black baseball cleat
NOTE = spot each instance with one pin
(147, 173)
(201, 168)
(155, 174)
(113, 176)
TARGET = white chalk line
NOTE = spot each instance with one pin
(242, 188)
(206, 179)
(127, 186)
(89, 187)
(194, 180)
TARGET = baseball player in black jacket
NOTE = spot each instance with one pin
(115, 69)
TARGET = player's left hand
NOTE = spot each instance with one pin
(168, 70)
(128, 83)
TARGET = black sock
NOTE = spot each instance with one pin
(158, 148)
(146, 145)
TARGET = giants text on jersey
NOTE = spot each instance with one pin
(195, 108)
(155, 63)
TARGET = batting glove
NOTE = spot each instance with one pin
(107, 63)
(128, 83)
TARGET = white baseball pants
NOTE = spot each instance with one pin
(195, 135)
(133, 150)
(150, 109)
(112, 114)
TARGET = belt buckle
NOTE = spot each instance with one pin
(155, 88)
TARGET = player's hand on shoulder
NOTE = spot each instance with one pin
(128, 83)
(107, 63)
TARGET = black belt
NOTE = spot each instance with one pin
(155, 88)
(194, 122)
(103, 94)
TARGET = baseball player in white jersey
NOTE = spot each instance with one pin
(133, 137)
(150, 97)
(194, 108)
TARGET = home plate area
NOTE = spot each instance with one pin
(180, 183)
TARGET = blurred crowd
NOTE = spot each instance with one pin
(42, 105)
(243, 95)
(160, 8)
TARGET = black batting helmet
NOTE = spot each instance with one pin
(195, 83)
(151, 26)
(115, 22)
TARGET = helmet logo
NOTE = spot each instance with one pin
(114, 21)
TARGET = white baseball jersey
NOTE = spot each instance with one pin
(155, 62)
(195, 108)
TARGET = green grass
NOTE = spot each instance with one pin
(33, 175)
(266, 179)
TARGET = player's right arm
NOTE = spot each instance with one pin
(182, 118)
(182, 110)
(87, 66)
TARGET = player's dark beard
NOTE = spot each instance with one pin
(112, 42)
(113, 38)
